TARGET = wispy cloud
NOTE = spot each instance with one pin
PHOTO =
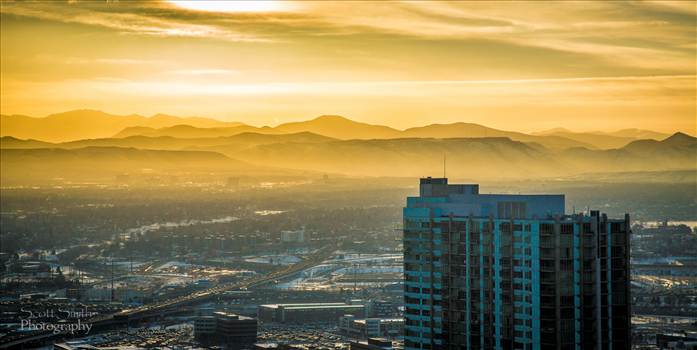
(205, 72)
(644, 35)
(130, 20)
(632, 36)
(397, 59)
(111, 61)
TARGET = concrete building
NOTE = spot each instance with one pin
(371, 327)
(494, 271)
(310, 312)
(230, 330)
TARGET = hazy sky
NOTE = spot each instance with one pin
(510, 65)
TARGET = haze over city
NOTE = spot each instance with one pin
(348, 175)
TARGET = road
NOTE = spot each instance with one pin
(156, 308)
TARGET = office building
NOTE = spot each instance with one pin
(221, 328)
(497, 271)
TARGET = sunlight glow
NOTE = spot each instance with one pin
(232, 5)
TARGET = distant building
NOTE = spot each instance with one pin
(496, 271)
(231, 330)
(310, 312)
(205, 328)
(371, 327)
(380, 308)
(293, 236)
(371, 344)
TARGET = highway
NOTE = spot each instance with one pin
(200, 296)
(154, 309)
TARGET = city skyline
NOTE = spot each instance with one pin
(513, 66)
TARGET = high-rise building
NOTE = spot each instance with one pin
(499, 271)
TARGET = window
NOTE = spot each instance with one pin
(546, 229)
(511, 209)
(567, 229)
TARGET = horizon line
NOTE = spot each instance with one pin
(532, 133)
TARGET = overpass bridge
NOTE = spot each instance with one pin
(178, 304)
(172, 305)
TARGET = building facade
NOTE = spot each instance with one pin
(222, 328)
(495, 271)
(371, 327)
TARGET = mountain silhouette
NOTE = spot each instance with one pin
(339, 127)
(475, 130)
(239, 141)
(637, 134)
(90, 124)
(86, 123)
(602, 141)
(678, 151)
(327, 144)
(346, 129)
(474, 158)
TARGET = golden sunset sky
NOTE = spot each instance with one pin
(509, 65)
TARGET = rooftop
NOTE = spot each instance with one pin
(312, 306)
(466, 200)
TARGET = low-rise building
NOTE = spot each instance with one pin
(310, 312)
(371, 327)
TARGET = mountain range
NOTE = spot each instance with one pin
(474, 158)
(345, 129)
(90, 124)
(605, 140)
(333, 144)
(87, 124)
